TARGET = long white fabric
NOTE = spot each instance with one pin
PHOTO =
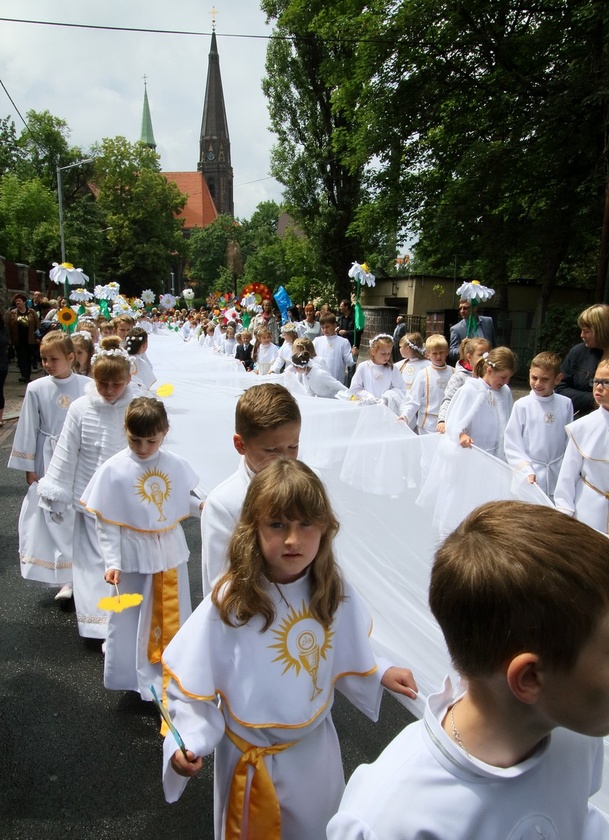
(373, 467)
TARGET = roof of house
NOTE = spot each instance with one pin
(200, 209)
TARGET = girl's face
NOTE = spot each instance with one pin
(56, 363)
(600, 391)
(381, 353)
(82, 357)
(230, 332)
(111, 390)
(145, 447)
(496, 379)
(265, 338)
(288, 546)
(407, 352)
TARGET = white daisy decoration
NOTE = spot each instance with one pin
(81, 295)
(66, 273)
(474, 291)
(148, 297)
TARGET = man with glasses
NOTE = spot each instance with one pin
(483, 328)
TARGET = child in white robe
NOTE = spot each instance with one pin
(229, 341)
(265, 352)
(582, 489)
(289, 333)
(83, 352)
(535, 435)
(207, 339)
(376, 380)
(142, 374)
(479, 412)
(306, 375)
(139, 497)
(521, 594)
(471, 351)
(92, 433)
(425, 397)
(267, 425)
(333, 349)
(412, 351)
(254, 668)
(45, 552)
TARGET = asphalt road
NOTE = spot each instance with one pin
(78, 761)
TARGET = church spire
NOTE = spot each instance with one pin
(214, 144)
(146, 133)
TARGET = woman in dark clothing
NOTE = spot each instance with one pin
(4, 342)
(22, 326)
(582, 360)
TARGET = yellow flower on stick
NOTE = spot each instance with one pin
(66, 316)
(118, 603)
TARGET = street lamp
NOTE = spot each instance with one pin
(60, 169)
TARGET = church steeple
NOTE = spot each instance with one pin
(146, 133)
(214, 144)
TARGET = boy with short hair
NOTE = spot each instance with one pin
(267, 425)
(535, 437)
(427, 392)
(333, 349)
(521, 593)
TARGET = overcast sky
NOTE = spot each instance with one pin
(93, 79)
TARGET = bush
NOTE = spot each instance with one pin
(559, 331)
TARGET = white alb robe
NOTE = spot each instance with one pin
(315, 382)
(481, 412)
(424, 785)
(274, 688)
(336, 353)
(92, 433)
(138, 505)
(379, 382)
(535, 437)
(409, 368)
(425, 398)
(582, 489)
(45, 546)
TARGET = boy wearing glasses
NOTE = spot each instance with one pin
(582, 490)
(535, 436)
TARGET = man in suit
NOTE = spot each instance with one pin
(485, 328)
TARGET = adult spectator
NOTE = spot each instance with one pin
(4, 342)
(484, 328)
(581, 361)
(22, 326)
(311, 326)
(398, 333)
(267, 319)
(345, 327)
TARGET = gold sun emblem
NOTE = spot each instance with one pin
(154, 487)
(302, 642)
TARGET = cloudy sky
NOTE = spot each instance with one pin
(93, 79)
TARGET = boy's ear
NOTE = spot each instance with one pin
(559, 378)
(238, 444)
(524, 677)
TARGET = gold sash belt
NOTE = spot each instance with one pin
(164, 622)
(263, 816)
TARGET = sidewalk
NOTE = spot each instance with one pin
(14, 392)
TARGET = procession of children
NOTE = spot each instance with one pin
(250, 675)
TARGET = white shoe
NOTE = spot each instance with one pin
(65, 593)
(103, 647)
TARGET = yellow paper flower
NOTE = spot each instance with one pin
(164, 390)
(66, 316)
(118, 603)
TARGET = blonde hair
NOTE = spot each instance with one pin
(436, 342)
(283, 488)
(547, 361)
(469, 345)
(499, 359)
(596, 318)
(112, 364)
(414, 340)
(58, 340)
(378, 341)
(304, 345)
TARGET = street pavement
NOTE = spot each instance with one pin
(78, 761)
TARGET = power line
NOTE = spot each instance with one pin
(130, 29)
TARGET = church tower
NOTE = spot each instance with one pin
(214, 144)
(146, 132)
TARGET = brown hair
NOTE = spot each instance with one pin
(59, 340)
(111, 367)
(516, 578)
(327, 318)
(283, 488)
(146, 417)
(83, 339)
(264, 407)
(499, 358)
(596, 318)
(135, 340)
(547, 361)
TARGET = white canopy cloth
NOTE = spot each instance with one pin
(372, 466)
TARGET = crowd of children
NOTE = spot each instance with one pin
(251, 674)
